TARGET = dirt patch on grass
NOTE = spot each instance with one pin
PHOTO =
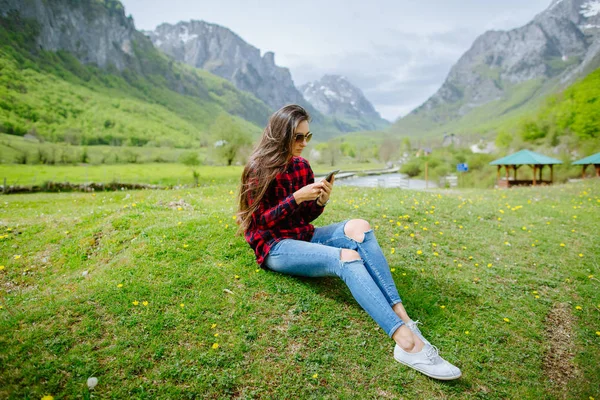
(178, 205)
(558, 361)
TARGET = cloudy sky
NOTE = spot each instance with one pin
(398, 52)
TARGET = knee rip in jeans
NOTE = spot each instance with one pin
(349, 255)
(355, 229)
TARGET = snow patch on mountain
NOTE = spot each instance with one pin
(185, 35)
(590, 9)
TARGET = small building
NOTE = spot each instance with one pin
(593, 159)
(514, 161)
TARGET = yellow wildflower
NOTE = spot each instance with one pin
(135, 302)
(215, 345)
(181, 305)
(419, 252)
(145, 303)
(506, 320)
(578, 308)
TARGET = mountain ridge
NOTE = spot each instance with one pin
(558, 46)
(335, 96)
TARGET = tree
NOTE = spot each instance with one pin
(230, 137)
(190, 159)
(388, 149)
(504, 140)
(333, 152)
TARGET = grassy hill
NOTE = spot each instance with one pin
(520, 100)
(54, 97)
(163, 301)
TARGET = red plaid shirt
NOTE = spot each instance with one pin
(279, 216)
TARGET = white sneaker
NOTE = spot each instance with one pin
(428, 362)
(412, 325)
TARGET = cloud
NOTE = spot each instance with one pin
(396, 76)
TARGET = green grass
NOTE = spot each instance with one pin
(284, 337)
(151, 173)
(158, 174)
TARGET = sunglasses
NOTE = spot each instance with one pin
(300, 137)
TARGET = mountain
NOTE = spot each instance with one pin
(220, 51)
(334, 96)
(108, 81)
(506, 73)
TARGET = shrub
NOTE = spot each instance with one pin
(411, 168)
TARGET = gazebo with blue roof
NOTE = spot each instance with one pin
(593, 159)
(535, 160)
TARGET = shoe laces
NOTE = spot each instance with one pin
(432, 353)
(413, 325)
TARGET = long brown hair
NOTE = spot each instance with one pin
(269, 158)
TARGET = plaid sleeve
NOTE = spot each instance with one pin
(269, 218)
(310, 210)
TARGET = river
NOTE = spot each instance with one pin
(394, 180)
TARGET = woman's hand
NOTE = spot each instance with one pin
(309, 192)
(327, 187)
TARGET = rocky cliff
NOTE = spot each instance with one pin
(334, 96)
(222, 52)
(95, 32)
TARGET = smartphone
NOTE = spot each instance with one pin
(330, 175)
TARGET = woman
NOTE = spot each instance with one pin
(278, 201)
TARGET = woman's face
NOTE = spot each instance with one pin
(302, 136)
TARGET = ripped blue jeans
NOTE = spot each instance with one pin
(369, 279)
